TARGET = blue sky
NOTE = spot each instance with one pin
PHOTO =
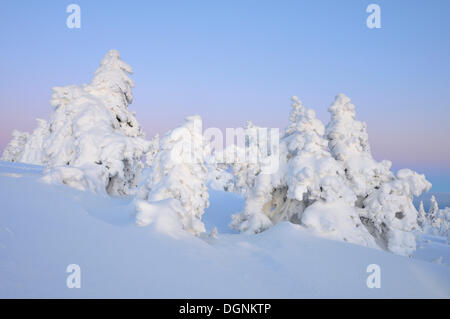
(232, 61)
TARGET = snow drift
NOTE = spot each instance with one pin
(57, 226)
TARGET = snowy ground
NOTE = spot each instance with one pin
(44, 228)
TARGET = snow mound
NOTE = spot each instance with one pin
(168, 216)
(337, 221)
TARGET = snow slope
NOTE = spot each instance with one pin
(44, 228)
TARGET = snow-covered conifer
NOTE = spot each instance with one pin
(349, 144)
(112, 85)
(390, 215)
(308, 175)
(385, 200)
(245, 160)
(437, 221)
(33, 150)
(296, 110)
(434, 208)
(178, 172)
(332, 185)
(422, 217)
(152, 150)
(235, 168)
(92, 141)
(442, 226)
(15, 147)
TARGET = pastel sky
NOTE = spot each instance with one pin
(232, 61)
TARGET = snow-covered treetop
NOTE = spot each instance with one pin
(112, 76)
(434, 208)
(112, 84)
(14, 150)
(437, 221)
(348, 142)
(32, 152)
(342, 107)
(305, 132)
(297, 107)
(347, 136)
(312, 169)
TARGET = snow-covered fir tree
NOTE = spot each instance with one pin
(308, 181)
(437, 221)
(112, 85)
(179, 172)
(422, 216)
(92, 141)
(349, 144)
(234, 169)
(390, 215)
(152, 151)
(33, 150)
(442, 227)
(14, 150)
(386, 200)
(433, 210)
(245, 160)
(328, 181)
